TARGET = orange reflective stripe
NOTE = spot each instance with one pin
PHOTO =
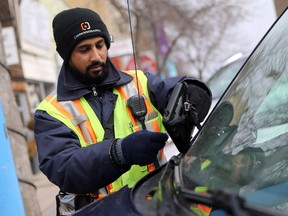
(49, 98)
(134, 122)
(150, 167)
(156, 126)
(100, 196)
(109, 188)
(162, 154)
(86, 122)
(205, 209)
(122, 92)
(61, 109)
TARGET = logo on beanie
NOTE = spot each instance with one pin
(85, 26)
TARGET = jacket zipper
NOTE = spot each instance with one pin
(95, 93)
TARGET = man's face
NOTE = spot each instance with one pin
(88, 59)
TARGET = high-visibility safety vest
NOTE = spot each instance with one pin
(78, 115)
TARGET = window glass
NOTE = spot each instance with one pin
(243, 146)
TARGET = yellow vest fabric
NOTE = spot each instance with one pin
(124, 123)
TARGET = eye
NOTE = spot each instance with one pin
(83, 49)
(100, 45)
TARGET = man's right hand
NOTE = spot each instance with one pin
(139, 148)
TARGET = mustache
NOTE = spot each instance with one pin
(95, 64)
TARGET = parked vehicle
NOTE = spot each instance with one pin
(239, 159)
(220, 80)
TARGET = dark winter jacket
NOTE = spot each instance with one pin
(62, 160)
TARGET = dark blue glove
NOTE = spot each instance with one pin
(139, 148)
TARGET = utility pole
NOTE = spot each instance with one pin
(16, 136)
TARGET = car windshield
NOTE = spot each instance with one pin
(243, 146)
(221, 79)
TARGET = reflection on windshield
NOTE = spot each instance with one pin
(226, 169)
(221, 79)
(243, 146)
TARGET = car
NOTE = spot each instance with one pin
(237, 163)
(220, 80)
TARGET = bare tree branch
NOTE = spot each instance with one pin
(196, 31)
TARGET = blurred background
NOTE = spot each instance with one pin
(171, 38)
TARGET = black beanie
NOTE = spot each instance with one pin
(74, 25)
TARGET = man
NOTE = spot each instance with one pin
(91, 140)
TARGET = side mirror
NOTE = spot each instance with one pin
(175, 121)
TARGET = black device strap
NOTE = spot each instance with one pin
(109, 127)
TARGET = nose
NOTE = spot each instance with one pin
(95, 55)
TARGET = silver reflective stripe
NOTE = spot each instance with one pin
(103, 191)
(130, 89)
(78, 119)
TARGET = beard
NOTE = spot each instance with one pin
(90, 77)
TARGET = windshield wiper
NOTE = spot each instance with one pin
(221, 200)
(229, 202)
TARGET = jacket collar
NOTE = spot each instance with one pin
(69, 87)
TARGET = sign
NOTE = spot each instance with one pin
(120, 48)
(10, 46)
(147, 64)
(35, 24)
(38, 68)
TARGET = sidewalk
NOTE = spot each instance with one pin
(46, 192)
